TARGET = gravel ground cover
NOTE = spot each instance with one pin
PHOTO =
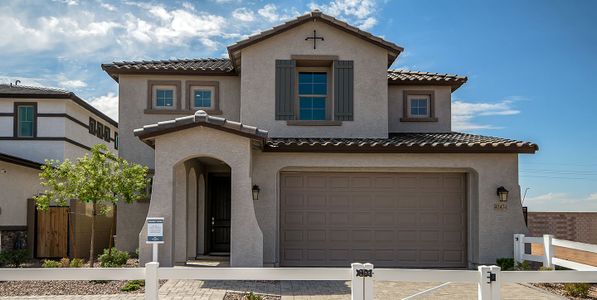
(558, 289)
(244, 296)
(67, 287)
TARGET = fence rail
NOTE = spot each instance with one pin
(548, 258)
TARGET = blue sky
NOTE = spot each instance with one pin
(532, 65)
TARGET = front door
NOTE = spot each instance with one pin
(219, 214)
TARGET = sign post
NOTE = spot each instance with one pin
(155, 234)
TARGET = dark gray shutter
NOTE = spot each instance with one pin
(343, 90)
(285, 82)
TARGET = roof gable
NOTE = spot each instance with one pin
(200, 118)
(234, 49)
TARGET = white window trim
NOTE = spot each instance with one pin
(212, 89)
(154, 97)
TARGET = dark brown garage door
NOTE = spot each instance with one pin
(388, 219)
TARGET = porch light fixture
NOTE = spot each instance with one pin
(256, 191)
(502, 193)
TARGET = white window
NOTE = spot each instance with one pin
(163, 97)
(202, 97)
(419, 106)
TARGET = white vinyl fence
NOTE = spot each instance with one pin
(548, 259)
(488, 278)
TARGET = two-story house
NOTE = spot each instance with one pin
(36, 124)
(303, 149)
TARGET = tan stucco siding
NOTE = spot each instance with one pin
(170, 180)
(133, 102)
(370, 82)
(442, 109)
(17, 184)
(490, 231)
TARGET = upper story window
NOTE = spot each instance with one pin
(25, 119)
(163, 96)
(313, 94)
(314, 90)
(203, 95)
(419, 106)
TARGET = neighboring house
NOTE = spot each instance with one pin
(36, 124)
(303, 149)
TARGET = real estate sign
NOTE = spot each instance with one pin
(155, 230)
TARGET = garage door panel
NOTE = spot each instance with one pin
(390, 219)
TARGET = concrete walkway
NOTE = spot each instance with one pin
(313, 290)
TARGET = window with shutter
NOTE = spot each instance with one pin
(285, 89)
(343, 90)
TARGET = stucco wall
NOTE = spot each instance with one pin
(246, 241)
(133, 102)
(370, 81)
(443, 109)
(490, 230)
(17, 184)
(81, 134)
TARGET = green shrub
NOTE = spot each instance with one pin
(523, 266)
(577, 290)
(546, 269)
(116, 259)
(14, 258)
(132, 285)
(65, 262)
(77, 262)
(505, 264)
(251, 296)
(48, 263)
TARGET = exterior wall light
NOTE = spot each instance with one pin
(256, 191)
(502, 193)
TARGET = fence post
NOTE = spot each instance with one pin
(368, 283)
(548, 250)
(518, 247)
(151, 280)
(496, 283)
(357, 286)
(484, 287)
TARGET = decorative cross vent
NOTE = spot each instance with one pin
(314, 38)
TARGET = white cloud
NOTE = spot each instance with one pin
(562, 202)
(243, 14)
(464, 114)
(269, 12)
(73, 84)
(360, 12)
(108, 6)
(107, 104)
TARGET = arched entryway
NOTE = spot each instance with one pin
(208, 211)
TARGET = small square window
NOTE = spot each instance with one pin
(164, 98)
(203, 97)
(418, 106)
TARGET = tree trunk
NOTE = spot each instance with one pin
(92, 244)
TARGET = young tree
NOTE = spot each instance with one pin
(101, 179)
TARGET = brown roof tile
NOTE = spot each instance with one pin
(427, 78)
(220, 66)
(200, 118)
(450, 142)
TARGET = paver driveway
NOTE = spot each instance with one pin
(315, 290)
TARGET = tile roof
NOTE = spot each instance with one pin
(417, 77)
(11, 89)
(187, 66)
(318, 15)
(35, 92)
(450, 142)
(200, 118)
